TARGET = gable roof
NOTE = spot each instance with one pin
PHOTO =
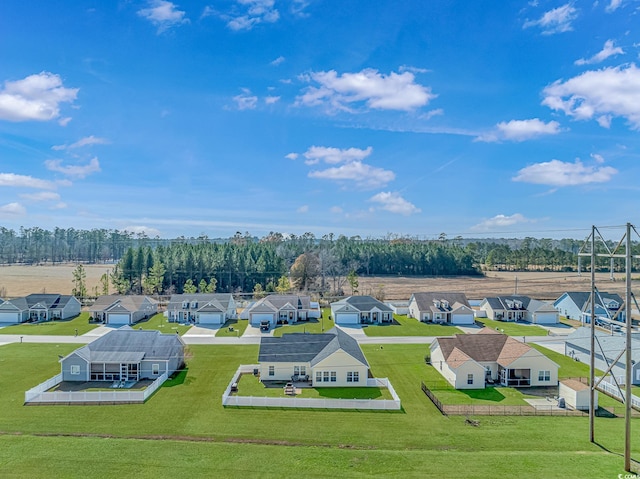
(582, 299)
(486, 346)
(363, 303)
(276, 302)
(48, 301)
(428, 301)
(309, 348)
(130, 345)
(509, 303)
(121, 302)
(223, 300)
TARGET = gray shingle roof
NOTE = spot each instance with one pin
(508, 303)
(308, 348)
(49, 301)
(364, 303)
(582, 299)
(128, 303)
(220, 299)
(425, 301)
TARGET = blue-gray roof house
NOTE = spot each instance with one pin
(326, 360)
(39, 307)
(125, 354)
(361, 310)
(577, 305)
(578, 346)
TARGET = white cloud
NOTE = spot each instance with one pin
(11, 179)
(254, 13)
(330, 155)
(560, 173)
(613, 6)
(357, 174)
(36, 97)
(58, 206)
(74, 171)
(500, 221)
(303, 209)
(557, 20)
(277, 61)
(297, 8)
(336, 210)
(246, 101)
(150, 232)
(41, 196)
(64, 121)
(163, 14)
(396, 91)
(86, 141)
(607, 51)
(292, 156)
(270, 100)
(394, 203)
(431, 113)
(598, 93)
(520, 130)
(12, 209)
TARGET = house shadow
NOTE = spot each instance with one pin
(339, 393)
(178, 379)
(487, 394)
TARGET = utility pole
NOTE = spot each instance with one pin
(627, 380)
(592, 323)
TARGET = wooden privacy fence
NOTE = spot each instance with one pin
(41, 394)
(312, 403)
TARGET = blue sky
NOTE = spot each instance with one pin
(358, 118)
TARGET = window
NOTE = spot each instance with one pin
(469, 378)
(155, 369)
(318, 376)
(333, 376)
(75, 369)
(296, 370)
(353, 377)
(326, 376)
(272, 370)
(544, 376)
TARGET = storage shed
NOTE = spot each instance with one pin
(576, 394)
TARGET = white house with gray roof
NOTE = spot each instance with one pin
(519, 308)
(279, 308)
(446, 308)
(577, 305)
(201, 308)
(329, 359)
(123, 309)
(125, 354)
(39, 307)
(361, 310)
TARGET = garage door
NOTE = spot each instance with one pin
(546, 318)
(9, 317)
(257, 317)
(118, 319)
(463, 319)
(211, 318)
(347, 318)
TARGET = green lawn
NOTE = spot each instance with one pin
(238, 325)
(249, 385)
(512, 328)
(159, 322)
(310, 326)
(410, 327)
(184, 430)
(63, 327)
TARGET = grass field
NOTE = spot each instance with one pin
(512, 328)
(239, 326)
(65, 327)
(410, 327)
(183, 429)
(249, 385)
(159, 323)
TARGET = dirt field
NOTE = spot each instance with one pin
(23, 280)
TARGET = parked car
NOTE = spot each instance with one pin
(264, 326)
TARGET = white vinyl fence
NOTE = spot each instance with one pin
(312, 403)
(39, 394)
(612, 390)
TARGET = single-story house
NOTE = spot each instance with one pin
(361, 310)
(123, 309)
(398, 307)
(577, 305)
(39, 307)
(471, 361)
(519, 308)
(201, 308)
(578, 346)
(125, 354)
(329, 359)
(279, 308)
(450, 308)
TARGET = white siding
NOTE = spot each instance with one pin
(341, 363)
